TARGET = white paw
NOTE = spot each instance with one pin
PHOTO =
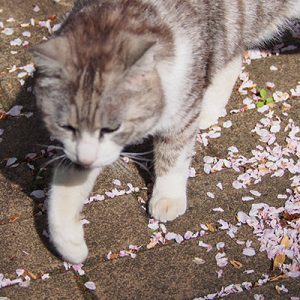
(167, 209)
(68, 239)
(209, 119)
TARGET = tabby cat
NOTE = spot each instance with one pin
(119, 71)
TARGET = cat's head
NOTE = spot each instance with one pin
(97, 98)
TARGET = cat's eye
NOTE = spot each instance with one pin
(111, 129)
(69, 128)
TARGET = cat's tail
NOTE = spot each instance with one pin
(267, 20)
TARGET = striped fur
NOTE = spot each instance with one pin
(119, 71)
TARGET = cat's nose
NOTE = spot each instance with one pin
(87, 149)
(85, 162)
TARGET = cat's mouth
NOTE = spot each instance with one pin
(81, 167)
(84, 165)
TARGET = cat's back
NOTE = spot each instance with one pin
(217, 29)
(247, 18)
(229, 24)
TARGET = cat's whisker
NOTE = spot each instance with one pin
(57, 147)
(46, 145)
(138, 153)
(63, 162)
(137, 158)
(141, 160)
(52, 146)
(141, 165)
(69, 163)
(53, 160)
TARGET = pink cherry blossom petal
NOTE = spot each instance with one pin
(11, 161)
(8, 31)
(15, 110)
(16, 42)
(39, 194)
(90, 285)
(227, 124)
(273, 68)
(218, 209)
(255, 193)
(211, 195)
(249, 251)
(247, 198)
(45, 276)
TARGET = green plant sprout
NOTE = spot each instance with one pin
(264, 99)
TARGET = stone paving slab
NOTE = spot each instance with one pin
(115, 224)
(270, 293)
(200, 206)
(21, 247)
(128, 174)
(15, 204)
(168, 272)
(164, 272)
(22, 12)
(60, 287)
(288, 66)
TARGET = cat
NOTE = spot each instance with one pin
(119, 71)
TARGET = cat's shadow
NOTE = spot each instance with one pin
(23, 135)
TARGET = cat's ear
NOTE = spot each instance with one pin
(136, 48)
(51, 56)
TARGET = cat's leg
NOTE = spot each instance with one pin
(70, 187)
(172, 160)
(218, 93)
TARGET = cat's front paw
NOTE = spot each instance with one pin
(167, 209)
(69, 241)
(209, 119)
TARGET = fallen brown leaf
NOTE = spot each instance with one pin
(236, 264)
(3, 115)
(278, 261)
(211, 227)
(14, 218)
(280, 258)
(285, 242)
(52, 18)
(32, 275)
(114, 256)
(278, 277)
(290, 217)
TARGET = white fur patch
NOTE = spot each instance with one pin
(218, 93)
(108, 152)
(87, 148)
(70, 187)
(175, 81)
